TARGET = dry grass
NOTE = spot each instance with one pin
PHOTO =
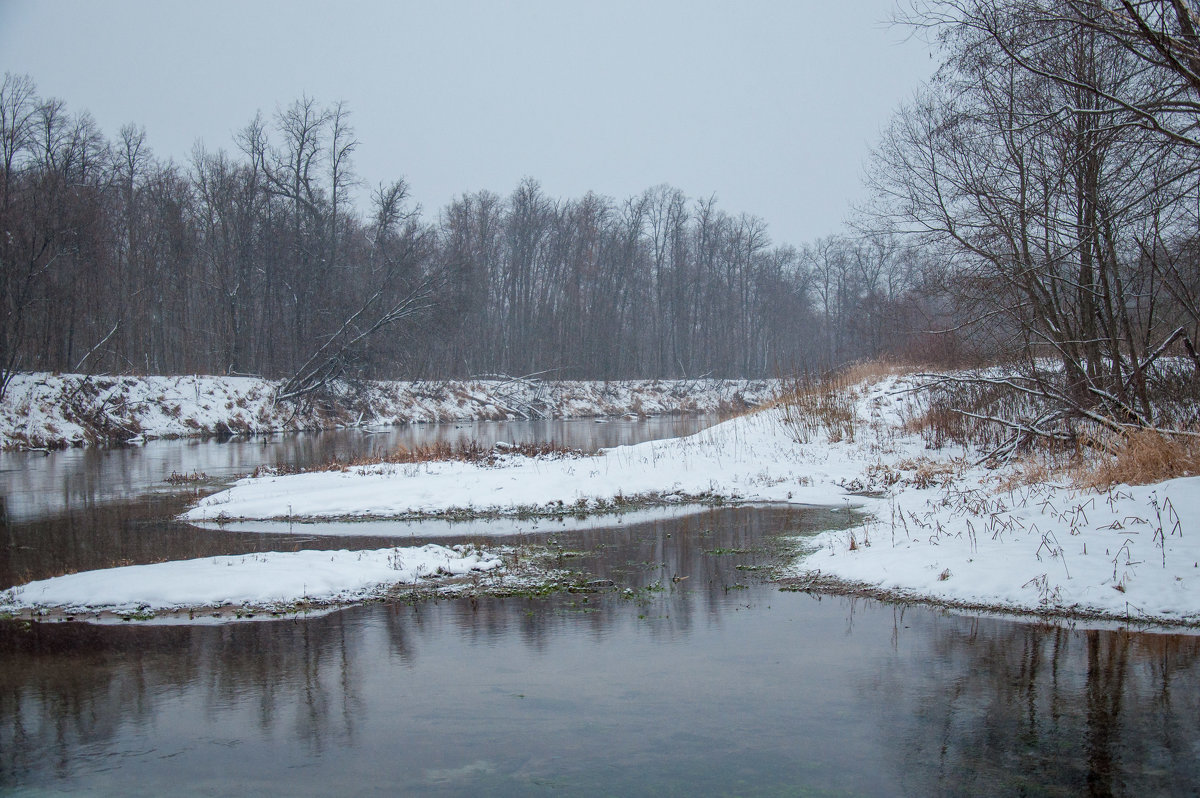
(185, 478)
(738, 407)
(870, 372)
(942, 423)
(826, 404)
(928, 473)
(471, 451)
(1088, 457)
(808, 411)
(915, 472)
(1034, 468)
(1140, 458)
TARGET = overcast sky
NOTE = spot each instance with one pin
(772, 106)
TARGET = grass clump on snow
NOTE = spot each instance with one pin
(826, 405)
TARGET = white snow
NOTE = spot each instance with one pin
(263, 579)
(747, 458)
(937, 528)
(47, 410)
(1130, 552)
(943, 530)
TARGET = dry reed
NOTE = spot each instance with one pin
(1142, 457)
(468, 451)
(811, 405)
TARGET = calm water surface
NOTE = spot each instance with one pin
(711, 682)
(95, 507)
(35, 485)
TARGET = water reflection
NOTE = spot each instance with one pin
(132, 533)
(83, 509)
(990, 706)
(692, 675)
(38, 486)
(715, 680)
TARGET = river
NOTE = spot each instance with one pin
(693, 675)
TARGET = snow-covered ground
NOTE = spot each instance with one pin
(938, 528)
(1128, 552)
(262, 580)
(53, 410)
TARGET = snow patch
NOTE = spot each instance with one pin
(264, 579)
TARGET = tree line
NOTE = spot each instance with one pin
(1038, 200)
(261, 260)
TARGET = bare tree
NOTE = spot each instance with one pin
(399, 290)
(1022, 169)
(18, 110)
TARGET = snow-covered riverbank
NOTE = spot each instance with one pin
(937, 527)
(42, 410)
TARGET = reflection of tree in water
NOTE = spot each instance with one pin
(65, 687)
(72, 692)
(701, 551)
(1000, 708)
(300, 674)
(643, 557)
(68, 685)
(135, 533)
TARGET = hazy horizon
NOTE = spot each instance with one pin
(770, 106)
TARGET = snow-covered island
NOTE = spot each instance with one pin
(274, 582)
(935, 526)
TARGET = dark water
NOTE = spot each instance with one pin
(89, 508)
(711, 682)
(34, 485)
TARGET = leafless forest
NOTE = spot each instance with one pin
(1038, 200)
(254, 260)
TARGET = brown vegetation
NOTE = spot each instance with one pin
(826, 403)
(469, 451)
(1142, 457)
(986, 417)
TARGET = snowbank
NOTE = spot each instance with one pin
(748, 458)
(1129, 552)
(265, 579)
(937, 528)
(42, 410)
